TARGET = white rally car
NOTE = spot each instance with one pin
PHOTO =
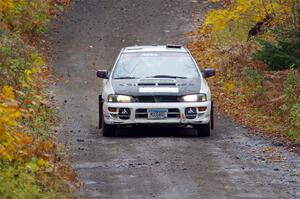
(155, 86)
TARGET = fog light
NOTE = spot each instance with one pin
(124, 113)
(190, 113)
(112, 109)
(202, 108)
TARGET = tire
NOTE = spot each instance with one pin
(100, 108)
(212, 121)
(204, 130)
(108, 130)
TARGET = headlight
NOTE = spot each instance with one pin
(119, 98)
(195, 98)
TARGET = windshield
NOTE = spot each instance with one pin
(155, 64)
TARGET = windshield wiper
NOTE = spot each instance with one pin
(166, 76)
(126, 77)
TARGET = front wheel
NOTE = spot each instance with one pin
(100, 107)
(108, 130)
(204, 130)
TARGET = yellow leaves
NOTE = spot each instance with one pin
(2, 150)
(235, 20)
(34, 70)
(7, 5)
(9, 110)
(216, 18)
(26, 150)
(28, 72)
(11, 140)
(23, 139)
(230, 86)
(8, 92)
(1, 128)
(28, 75)
(42, 163)
(49, 145)
(32, 166)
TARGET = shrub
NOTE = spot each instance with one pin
(29, 167)
(24, 16)
(17, 60)
(294, 116)
(267, 101)
(294, 134)
(282, 54)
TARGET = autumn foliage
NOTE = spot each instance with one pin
(234, 39)
(29, 160)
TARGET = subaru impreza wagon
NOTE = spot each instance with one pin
(155, 86)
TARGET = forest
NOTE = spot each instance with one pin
(255, 45)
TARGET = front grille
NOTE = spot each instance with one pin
(156, 99)
(143, 113)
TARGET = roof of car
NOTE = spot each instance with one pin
(155, 48)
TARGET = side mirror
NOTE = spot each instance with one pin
(209, 72)
(104, 74)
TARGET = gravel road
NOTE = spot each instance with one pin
(148, 163)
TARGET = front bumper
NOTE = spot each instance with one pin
(112, 118)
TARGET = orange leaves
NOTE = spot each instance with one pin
(44, 149)
(23, 139)
(204, 48)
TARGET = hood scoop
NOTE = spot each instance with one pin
(156, 82)
(147, 84)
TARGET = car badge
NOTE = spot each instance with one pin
(190, 111)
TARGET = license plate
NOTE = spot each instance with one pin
(157, 114)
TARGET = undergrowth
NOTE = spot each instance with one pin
(30, 161)
(258, 81)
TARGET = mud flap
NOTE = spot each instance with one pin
(100, 111)
(212, 116)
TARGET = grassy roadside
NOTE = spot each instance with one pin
(30, 162)
(258, 81)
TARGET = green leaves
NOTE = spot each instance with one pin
(25, 16)
(265, 100)
(16, 181)
(28, 162)
(283, 55)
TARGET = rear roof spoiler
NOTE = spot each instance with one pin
(173, 46)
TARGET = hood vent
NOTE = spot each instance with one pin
(146, 84)
(166, 84)
(156, 82)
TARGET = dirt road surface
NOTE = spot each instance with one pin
(148, 163)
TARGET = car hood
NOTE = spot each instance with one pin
(156, 86)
